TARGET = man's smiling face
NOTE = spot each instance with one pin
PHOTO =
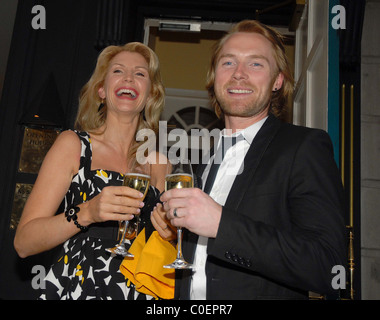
(245, 75)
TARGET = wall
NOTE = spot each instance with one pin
(7, 17)
(370, 153)
(184, 58)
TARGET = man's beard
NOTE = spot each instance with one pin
(249, 109)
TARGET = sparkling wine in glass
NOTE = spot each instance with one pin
(179, 176)
(140, 182)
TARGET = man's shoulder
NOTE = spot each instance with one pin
(292, 134)
(300, 131)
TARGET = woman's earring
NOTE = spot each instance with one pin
(101, 105)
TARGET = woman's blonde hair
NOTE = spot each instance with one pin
(89, 118)
(280, 97)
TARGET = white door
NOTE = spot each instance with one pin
(311, 67)
(316, 97)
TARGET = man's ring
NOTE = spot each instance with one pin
(175, 212)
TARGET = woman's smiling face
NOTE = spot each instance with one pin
(127, 84)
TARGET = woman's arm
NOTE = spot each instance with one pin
(40, 229)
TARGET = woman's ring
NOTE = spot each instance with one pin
(175, 213)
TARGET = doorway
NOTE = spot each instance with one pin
(184, 50)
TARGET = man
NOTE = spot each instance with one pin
(275, 228)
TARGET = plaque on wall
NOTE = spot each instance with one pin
(35, 145)
(22, 193)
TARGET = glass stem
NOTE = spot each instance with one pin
(124, 231)
(179, 237)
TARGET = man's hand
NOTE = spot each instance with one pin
(194, 210)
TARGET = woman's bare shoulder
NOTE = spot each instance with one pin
(67, 139)
(66, 149)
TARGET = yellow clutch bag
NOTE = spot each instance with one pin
(146, 269)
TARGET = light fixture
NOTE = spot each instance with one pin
(180, 26)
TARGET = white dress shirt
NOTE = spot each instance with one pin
(229, 168)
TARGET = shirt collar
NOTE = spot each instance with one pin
(248, 133)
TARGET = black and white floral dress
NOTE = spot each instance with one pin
(85, 270)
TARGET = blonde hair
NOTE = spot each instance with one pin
(280, 97)
(90, 119)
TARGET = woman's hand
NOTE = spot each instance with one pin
(116, 203)
(162, 224)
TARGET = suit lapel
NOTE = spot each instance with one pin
(252, 159)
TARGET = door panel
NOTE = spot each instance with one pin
(311, 66)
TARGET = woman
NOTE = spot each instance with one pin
(84, 168)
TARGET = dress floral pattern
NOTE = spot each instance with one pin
(85, 270)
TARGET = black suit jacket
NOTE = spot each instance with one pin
(282, 227)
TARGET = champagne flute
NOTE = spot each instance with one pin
(139, 180)
(179, 176)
